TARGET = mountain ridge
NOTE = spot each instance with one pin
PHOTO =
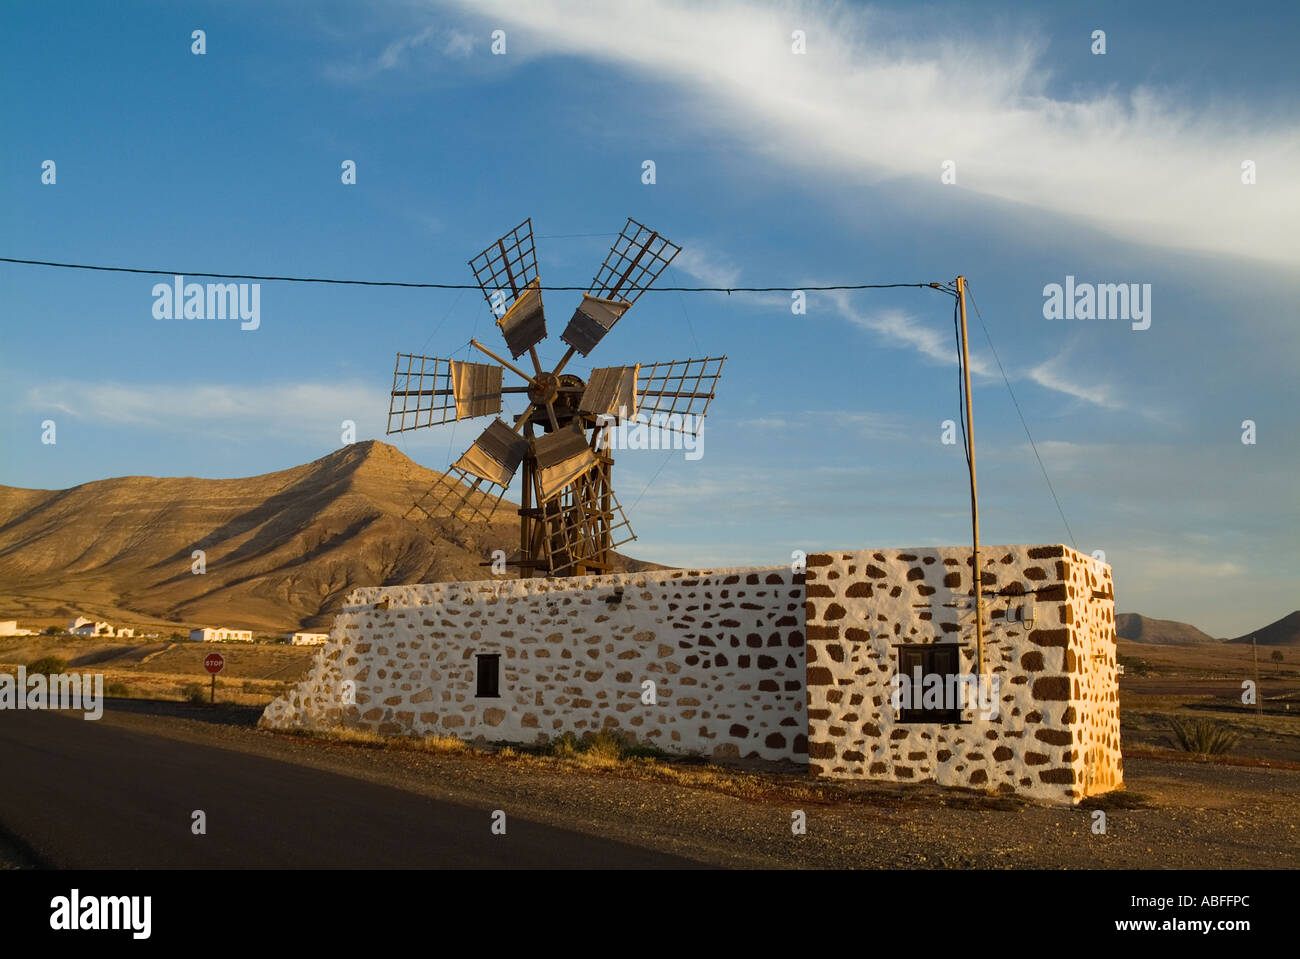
(280, 549)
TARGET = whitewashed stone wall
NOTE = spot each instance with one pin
(750, 663)
(1056, 735)
(724, 648)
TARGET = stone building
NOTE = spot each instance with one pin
(815, 665)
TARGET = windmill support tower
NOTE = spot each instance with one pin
(570, 518)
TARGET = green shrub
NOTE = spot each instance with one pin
(47, 665)
(1134, 666)
(1202, 736)
(52, 631)
(121, 690)
(195, 693)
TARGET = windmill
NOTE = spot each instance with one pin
(570, 519)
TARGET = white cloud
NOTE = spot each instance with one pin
(1053, 376)
(705, 266)
(873, 107)
(863, 424)
(902, 329)
(280, 410)
(459, 44)
(396, 53)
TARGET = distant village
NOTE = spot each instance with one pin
(87, 626)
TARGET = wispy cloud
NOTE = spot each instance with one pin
(459, 44)
(1052, 375)
(279, 410)
(903, 329)
(870, 104)
(403, 52)
(704, 265)
(863, 424)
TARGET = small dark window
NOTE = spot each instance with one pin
(941, 658)
(489, 675)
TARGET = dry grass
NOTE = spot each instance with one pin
(368, 738)
(609, 752)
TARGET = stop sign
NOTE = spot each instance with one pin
(214, 663)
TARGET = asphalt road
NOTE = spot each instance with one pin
(81, 794)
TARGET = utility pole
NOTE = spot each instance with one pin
(974, 499)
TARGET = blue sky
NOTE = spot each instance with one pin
(771, 169)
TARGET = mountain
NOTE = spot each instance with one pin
(283, 549)
(1284, 632)
(1166, 632)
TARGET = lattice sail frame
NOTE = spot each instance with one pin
(432, 382)
(675, 395)
(459, 489)
(633, 263)
(508, 266)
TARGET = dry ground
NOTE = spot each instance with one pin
(255, 673)
(1174, 814)
(1177, 811)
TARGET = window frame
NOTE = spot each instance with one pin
(480, 661)
(930, 717)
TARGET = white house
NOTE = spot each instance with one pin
(308, 639)
(221, 634)
(9, 627)
(91, 628)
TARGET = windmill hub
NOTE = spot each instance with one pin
(545, 388)
(570, 519)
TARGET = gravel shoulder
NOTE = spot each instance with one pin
(1174, 813)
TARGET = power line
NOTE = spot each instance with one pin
(460, 286)
(1015, 403)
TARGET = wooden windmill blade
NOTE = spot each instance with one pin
(429, 391)
(422, 394)
(507, 274)
(676, 395)
(634, 262)
(492, 459)
(562, 457)
(455, 495)
(495, 455)
(632, 265)
(611, 391)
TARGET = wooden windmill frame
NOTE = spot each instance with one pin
(570, 518)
